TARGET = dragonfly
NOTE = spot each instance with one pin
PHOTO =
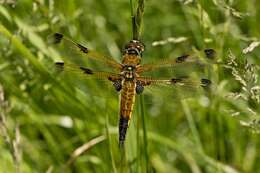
(128, 78)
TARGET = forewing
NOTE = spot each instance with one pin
(181, 82)
(81, 50)
(176, 88)
(86, 72)
(209, 54)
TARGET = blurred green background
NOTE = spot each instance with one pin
(45, 117)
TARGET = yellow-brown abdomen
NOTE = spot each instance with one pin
(126, 108)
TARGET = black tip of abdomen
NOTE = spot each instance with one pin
(123, 125)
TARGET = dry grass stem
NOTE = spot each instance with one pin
(76, 153)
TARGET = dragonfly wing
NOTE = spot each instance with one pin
(176, 88)
(209, 55)
(86, 72)
(182, 82)
(58, 38)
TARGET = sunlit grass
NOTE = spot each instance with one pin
(215, 131)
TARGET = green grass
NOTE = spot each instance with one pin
(171, 130)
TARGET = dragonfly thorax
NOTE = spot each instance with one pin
(129, 72)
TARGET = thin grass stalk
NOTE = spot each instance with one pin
(145, 146)
(137, 19)
(192, 125)
(123, 160)
(109, 144)
(189, 153)
(201, 18)
(13, 143)
(136, 31)
(133, 18)
(138, 142)
(22, 49)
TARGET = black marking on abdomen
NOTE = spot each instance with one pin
(123, 125)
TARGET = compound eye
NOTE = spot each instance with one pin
(132, 51)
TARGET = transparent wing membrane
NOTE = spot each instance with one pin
(183, 82)
(58, 38)
(86, 72)
(209, 54)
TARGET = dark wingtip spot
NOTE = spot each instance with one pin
(57, 37)
(205, 82)
(182, 59)
(59, 63)
(86, 70)
(210, 53)
(59, 66)
(82, 48)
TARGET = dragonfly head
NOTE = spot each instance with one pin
(134, 47)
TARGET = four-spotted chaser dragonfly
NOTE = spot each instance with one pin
(129, 80)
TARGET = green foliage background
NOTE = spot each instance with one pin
(209, 132)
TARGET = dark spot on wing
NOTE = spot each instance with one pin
(145, 82)
(57, 38)
(110, 78)
(182, 59)
(82, 48)
(59, 65)
(210, 53)
(176, 80)
(86, 70)
(205, 82)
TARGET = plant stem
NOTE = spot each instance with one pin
(142, 112)
(137, 19)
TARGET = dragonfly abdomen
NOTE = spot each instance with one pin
(126, 108)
